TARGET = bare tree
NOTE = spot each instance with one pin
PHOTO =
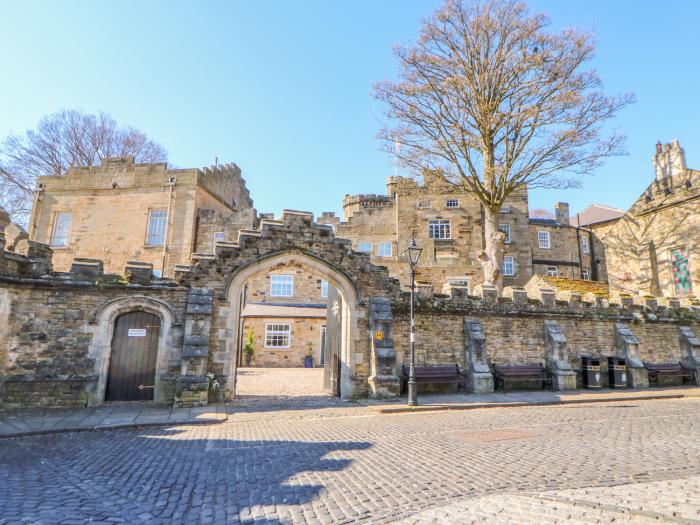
(61, 140)
(492, 101)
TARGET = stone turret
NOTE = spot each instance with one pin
(669, 160)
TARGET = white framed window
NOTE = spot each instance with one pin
(61, 229)
(452, 203)
(508, 265)
(505, 208)
(439, 229)
(384, 249)
(585, 247)
(543, 240)
(281, 285)
(585, 275)
(219, 236)
(324, 289)
(505, 228)
(278, 335)
(552, 271)
(155, 235)
(365, 247)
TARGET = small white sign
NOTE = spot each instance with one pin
(137, 332)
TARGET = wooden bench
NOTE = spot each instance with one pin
(658, 370)
(434, 374)
(535, 372)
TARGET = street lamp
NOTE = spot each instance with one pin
(412, 253)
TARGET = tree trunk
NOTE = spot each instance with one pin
(492, 256)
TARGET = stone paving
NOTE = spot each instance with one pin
(333, 462)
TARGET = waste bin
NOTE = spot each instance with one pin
(591, 371)
(617, 372)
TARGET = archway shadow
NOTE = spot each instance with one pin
(163, 476)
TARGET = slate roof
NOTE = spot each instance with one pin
(309, 311)
(594, 214)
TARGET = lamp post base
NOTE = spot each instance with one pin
(412, 395)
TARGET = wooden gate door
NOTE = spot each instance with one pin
(133, 360)
(333, 343)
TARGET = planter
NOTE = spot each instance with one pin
(308, 362)
(248, 358)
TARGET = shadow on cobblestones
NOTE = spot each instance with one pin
(163, 476)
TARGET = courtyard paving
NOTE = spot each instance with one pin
(331, 462)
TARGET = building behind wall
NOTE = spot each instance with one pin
(447, 225)
(120, 211)
(285, 309)
(654, 248)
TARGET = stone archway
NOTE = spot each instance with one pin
(336, 277)
(213, 308)
(103, 333)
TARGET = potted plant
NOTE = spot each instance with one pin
(248, 349)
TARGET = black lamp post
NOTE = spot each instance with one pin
(412, 253)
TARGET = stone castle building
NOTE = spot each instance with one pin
(449, 228)
(120, 211)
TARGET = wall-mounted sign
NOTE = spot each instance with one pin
(379, 335)
(137, 332)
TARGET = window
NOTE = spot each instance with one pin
(543, 240)
(439, 229)
(384, 249)
(508, 265)
(452, 203)
(324, 289)
(585, 275)
(552, 271)
(281, 285)
(584, 245)
(156, 227)
(680, 265)
(157, 274)
(277, 335)
(505, 228)
(423, 204)
(365, 247)
(218, 236)
(505, 208)
(61, 229)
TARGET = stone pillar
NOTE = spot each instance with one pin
(192, 386)
(548, 297)
(628, 347)
(489, 294)
(479, 377)
(690, 351)
(383, 380)
(563, 377)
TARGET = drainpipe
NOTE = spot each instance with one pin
(171, 185)
(578, 242)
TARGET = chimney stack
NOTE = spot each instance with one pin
(561, 210)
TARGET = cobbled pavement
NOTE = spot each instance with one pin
(324, 461)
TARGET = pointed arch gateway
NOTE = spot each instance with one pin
(216, 280)
(342, 305)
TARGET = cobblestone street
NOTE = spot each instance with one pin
(331, 462)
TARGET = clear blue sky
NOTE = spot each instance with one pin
(282, 88)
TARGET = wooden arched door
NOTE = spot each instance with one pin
(132, 365)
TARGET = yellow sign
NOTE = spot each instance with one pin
(379, 335)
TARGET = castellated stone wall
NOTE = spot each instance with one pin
(515, 331)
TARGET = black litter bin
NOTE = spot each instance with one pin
(591, 371)
(617, 372)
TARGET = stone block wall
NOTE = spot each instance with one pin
(515, 330)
